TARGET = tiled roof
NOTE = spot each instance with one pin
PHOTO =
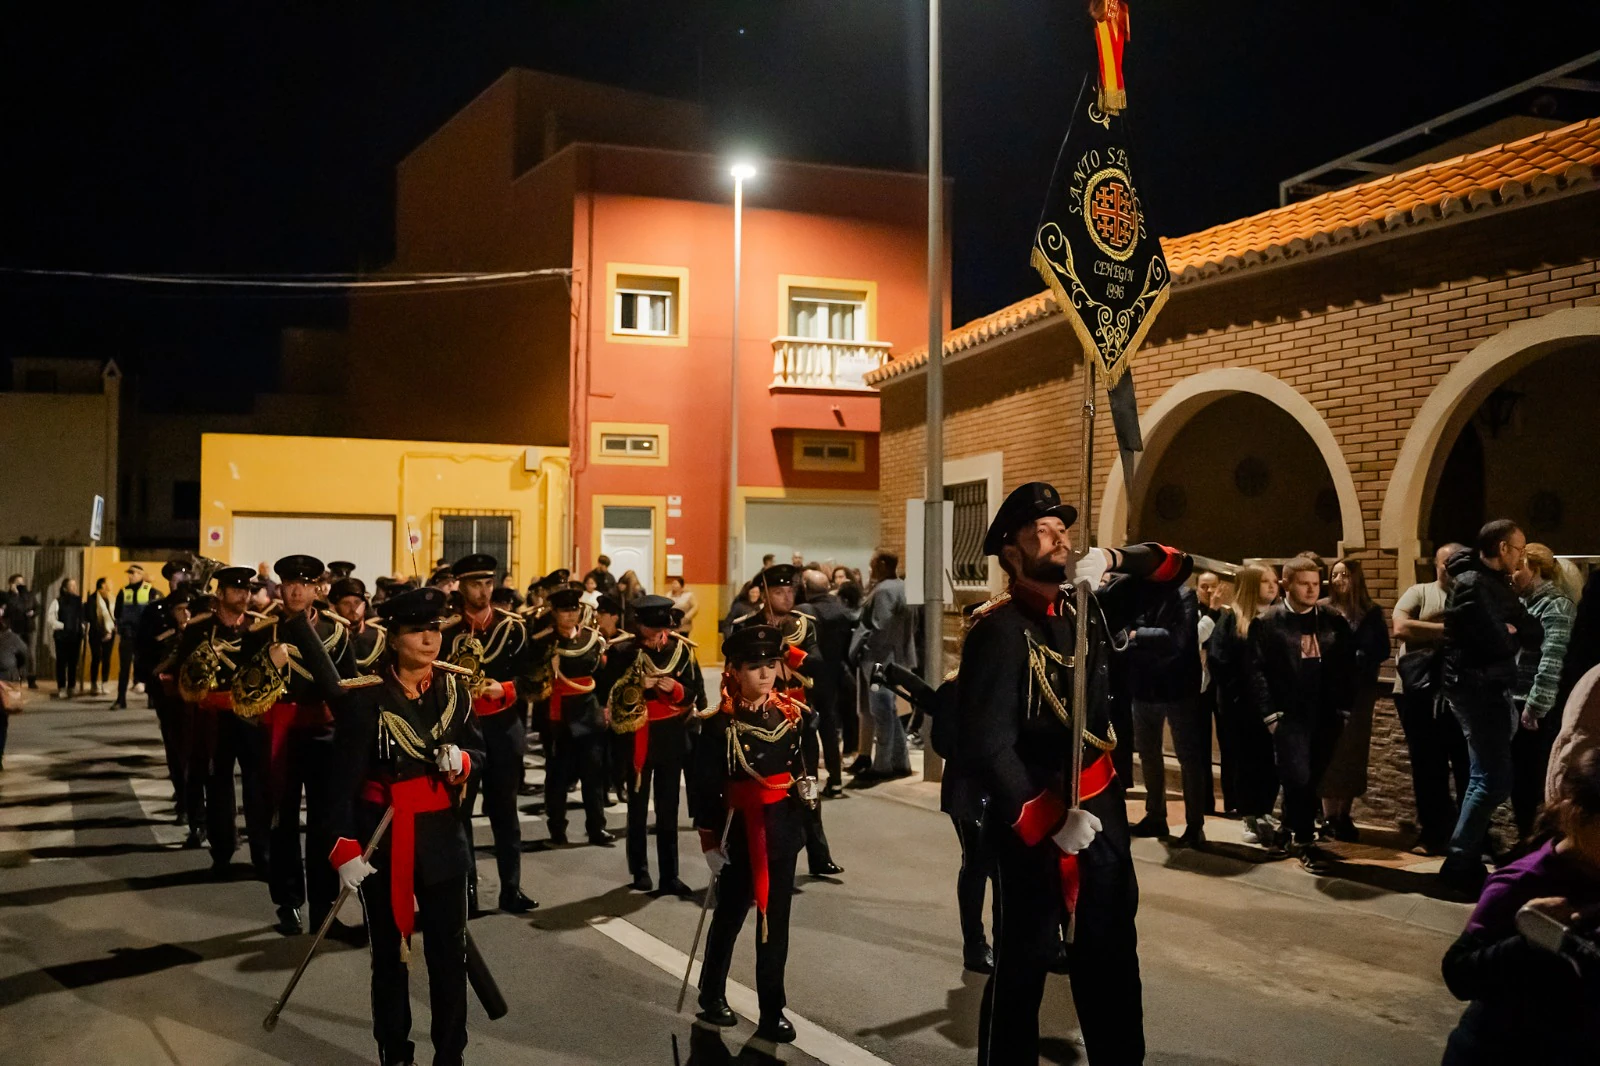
(1555, 160)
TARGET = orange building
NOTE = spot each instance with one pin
(627, 360)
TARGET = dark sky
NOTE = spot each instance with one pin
(253, 137)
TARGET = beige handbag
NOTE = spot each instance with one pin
(13, 694)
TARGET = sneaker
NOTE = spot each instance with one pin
(1313, 860)
(1252, 833)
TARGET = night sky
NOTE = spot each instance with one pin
(253, 138)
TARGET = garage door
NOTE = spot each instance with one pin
(842, 532)
(367, 542)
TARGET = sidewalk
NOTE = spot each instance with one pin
(1377, 876)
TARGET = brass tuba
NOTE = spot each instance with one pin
(628, 714)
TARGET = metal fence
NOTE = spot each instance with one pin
(42, 569)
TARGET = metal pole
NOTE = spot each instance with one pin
(733, 395)
(933, 500)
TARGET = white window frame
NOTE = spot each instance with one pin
(634, 331)
(629, 440)
(856, 302)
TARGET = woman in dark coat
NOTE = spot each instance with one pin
(1346, 777)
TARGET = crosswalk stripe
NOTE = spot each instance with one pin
(821, 1044)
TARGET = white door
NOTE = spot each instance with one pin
(846, 533)
(367, 542)
(628, 538)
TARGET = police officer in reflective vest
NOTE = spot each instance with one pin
(1014, 735)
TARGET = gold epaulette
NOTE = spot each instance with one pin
(168, 633)
(361, 681)
(450, 621)
(264, 622)
(451, 668)
(686, 640)
(989, 605)
(333, 617)
(505, 613)
(200, 617)
(618, 639)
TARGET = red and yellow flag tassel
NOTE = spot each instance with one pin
(1110, 37)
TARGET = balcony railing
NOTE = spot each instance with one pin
(806, 363)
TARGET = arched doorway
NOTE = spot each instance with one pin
(1529, 394)
(1237, 464)
(1521, 455)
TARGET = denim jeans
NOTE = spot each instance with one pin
(890, 752)
(1489, 720)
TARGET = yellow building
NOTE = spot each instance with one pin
(381, 503)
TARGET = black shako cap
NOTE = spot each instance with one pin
(553, 580)
(1026, 505)
(340, 568)
(475, 565)
(610, 604)
(347, 586)
(299, 568)
(752, 644)
(654, 611)
(565, 599)
(777, 574)
(234, 577)
(414, 607)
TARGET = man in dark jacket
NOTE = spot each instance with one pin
(1163, 679)
(1485, 625)
(1301, 671)
(835, 624)
(22, 608)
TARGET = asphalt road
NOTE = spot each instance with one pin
(115, 947)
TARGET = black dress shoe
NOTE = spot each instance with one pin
(517, 903)
(1345, 831)
(196, 838)
(860, 766)
(603, 839)
(354, 935)
(717, 1012)
(674, 887)
(642, 882)
(978, 958)
(777, 1029)
(222, 869)
(1193, 838)
(289, 923)
(833, 791)
(558, 838)
(1148, 826)
(827, 869)
(526, 789)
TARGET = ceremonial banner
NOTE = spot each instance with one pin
(1095, 250)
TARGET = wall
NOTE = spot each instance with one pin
(408, 480)
(1364, 336)
(60, 451)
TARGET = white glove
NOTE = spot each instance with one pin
(1078, 832)
(355, 871)
(716, 858)
(1091, 567)
(449, 759)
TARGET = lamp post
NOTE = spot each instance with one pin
(741, 172)
(933, 384)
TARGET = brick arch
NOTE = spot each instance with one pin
(1452, 404)
(1187, 398)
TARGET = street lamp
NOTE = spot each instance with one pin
(741, 172)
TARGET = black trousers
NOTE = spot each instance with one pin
(504, 736)
(1530, 760)
(1211, 713)
(578, 758)
(442, 921)
(1304, 744)
(125, 649)
(827, 705)
(818, 854)
(198, 745)
(1438, 753)
(735, 895)
(662, 778)
(1255, 774)
(244, 744)
(173, 717)
(310, 773)
(99, 659)
(68, 647)
(977, 867)
(1106, 990)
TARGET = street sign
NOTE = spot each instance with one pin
(97, 519)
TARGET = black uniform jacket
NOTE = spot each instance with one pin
(802, 661)
(381, 735)
(765, 740)
(675, 659)
(366, 645)
(499, 651)
(1014, 689)
(210, 653)
(573, 663)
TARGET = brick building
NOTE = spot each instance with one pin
(1369, 372)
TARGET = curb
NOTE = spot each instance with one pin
(1284, 878)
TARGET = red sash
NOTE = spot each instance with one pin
(484, 706)
(414, 796)
(748, 797)
(657, 710)
(567, 686)
(1095, 779)
(216, 701)
(279, 719)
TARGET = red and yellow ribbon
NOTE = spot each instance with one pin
(1110, 37)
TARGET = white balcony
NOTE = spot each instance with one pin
(807, 363)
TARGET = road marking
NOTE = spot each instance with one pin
(811, 1038)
